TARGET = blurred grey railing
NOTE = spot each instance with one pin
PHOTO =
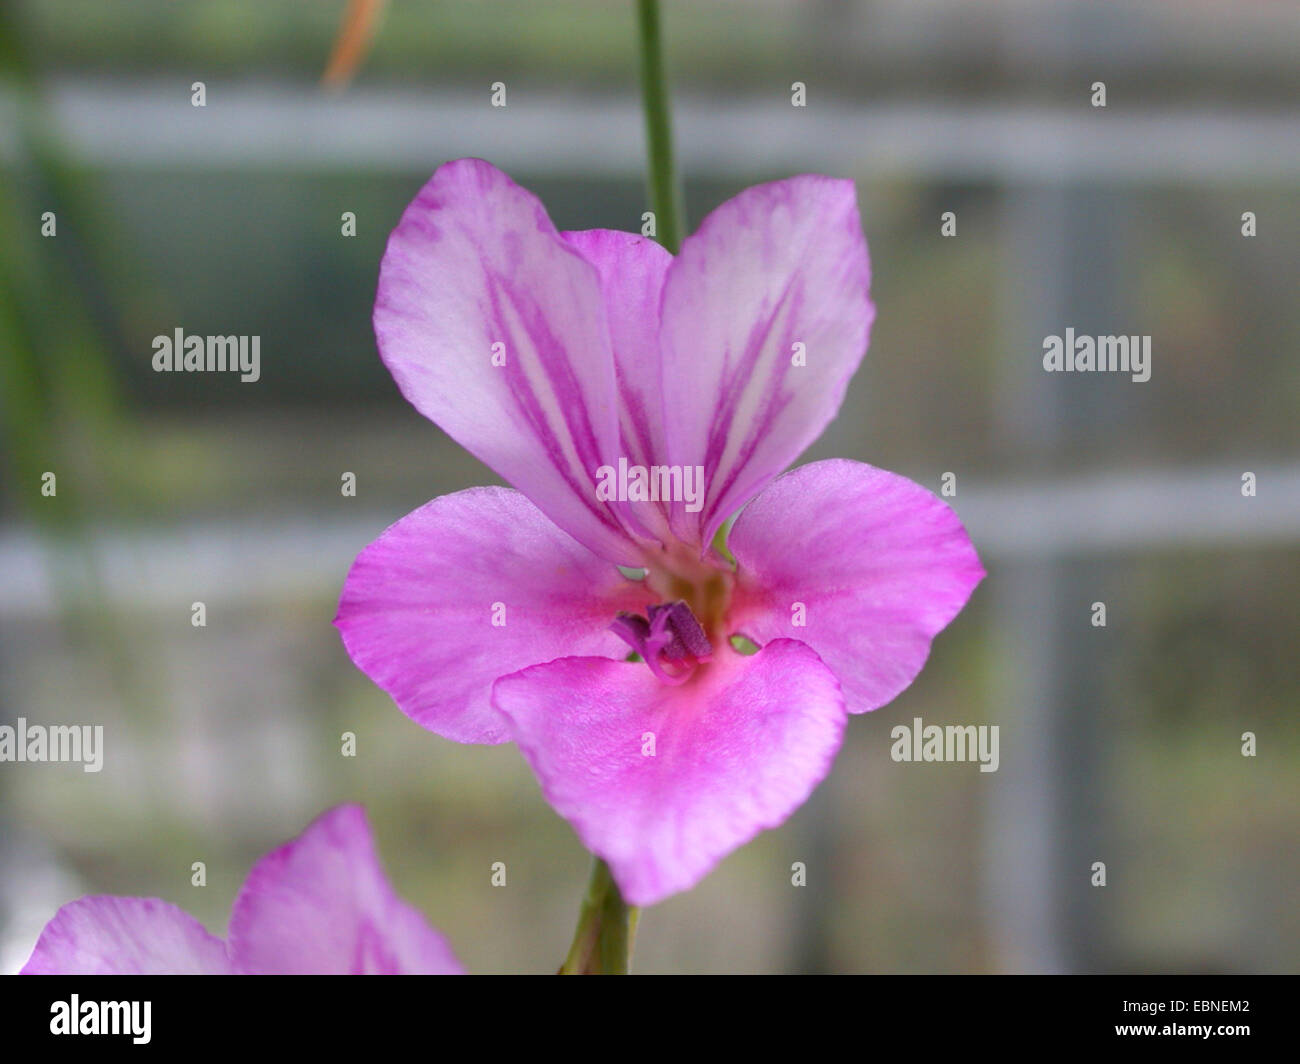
(283, 126)
(256, 559)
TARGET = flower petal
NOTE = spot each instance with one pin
(780, 264)
(475, 262)
(735, 750)
(878, 564)
(632, 271)
(104, 935)
(321, 905)
(469, 587)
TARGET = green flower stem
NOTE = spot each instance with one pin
(665, 190)
(602, 944)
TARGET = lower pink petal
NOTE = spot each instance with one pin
(872, 563)
(735, 750)
(103, 935)
(469, 587)
(321, 905)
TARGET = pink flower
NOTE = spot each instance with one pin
(568, 361)
(319, 905)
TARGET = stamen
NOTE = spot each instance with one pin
(688, 637)
(669, 638)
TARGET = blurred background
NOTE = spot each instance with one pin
(1120, 744)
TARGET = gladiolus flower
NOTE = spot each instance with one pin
(603, 378)
(319, 905)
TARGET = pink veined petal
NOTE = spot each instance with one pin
(735, 750)
(321, 905)
(104, 935)
(469, 587)
(780, 265)
(475, 262)
(632, 271)
(879, 564)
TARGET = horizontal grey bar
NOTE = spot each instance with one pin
(293, 126)
(253, 559)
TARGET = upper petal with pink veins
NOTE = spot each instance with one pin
(632, 271)
(475, 268)
(780, 265)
